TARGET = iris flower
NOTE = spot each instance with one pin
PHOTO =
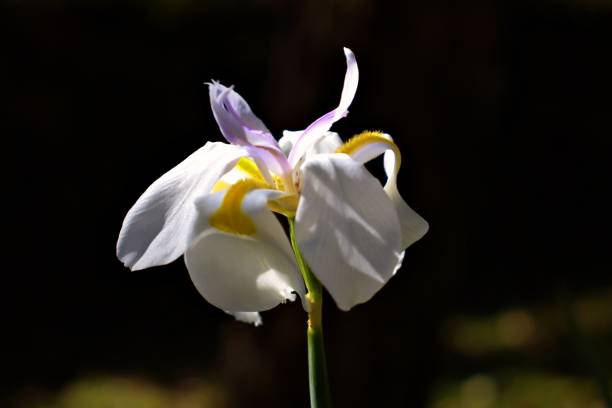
(217, 209)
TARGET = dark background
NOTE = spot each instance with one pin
(504, 117)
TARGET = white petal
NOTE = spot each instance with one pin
(288, 139)
(414, 227)
(370, 145)
(327, 144)
(159, 227)
(239, 273)
(347, 228)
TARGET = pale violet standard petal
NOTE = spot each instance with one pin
(271, 160)
(159, 227)
(240, 126)
(236, 120)
(241, 273)
(320, 126)
(347, 228)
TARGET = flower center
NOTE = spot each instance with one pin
(238, 182)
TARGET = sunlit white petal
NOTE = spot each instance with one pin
(370, 145)
(414, 227)
(327, 144)
(288, 139)
(347, 228)
(159, 227)
(244, 273)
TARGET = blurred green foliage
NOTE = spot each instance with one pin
(124, 392)
(524, 328)
(520, 390)
(522, 357)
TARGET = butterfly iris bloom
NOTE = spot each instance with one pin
(217, 209)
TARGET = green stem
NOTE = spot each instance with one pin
(317, 367)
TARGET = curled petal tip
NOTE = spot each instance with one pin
(247, 317)
(319, 127)
(212, 83)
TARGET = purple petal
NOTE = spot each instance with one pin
(237, 122)
(320, 126)
(241, 127)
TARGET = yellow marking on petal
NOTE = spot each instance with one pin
(247, 166)
(242, 179)
(229, 216)
(220, 186)
(358, 142)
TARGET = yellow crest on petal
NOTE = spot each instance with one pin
(229, 216)
(245, 168)
(368, 137)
